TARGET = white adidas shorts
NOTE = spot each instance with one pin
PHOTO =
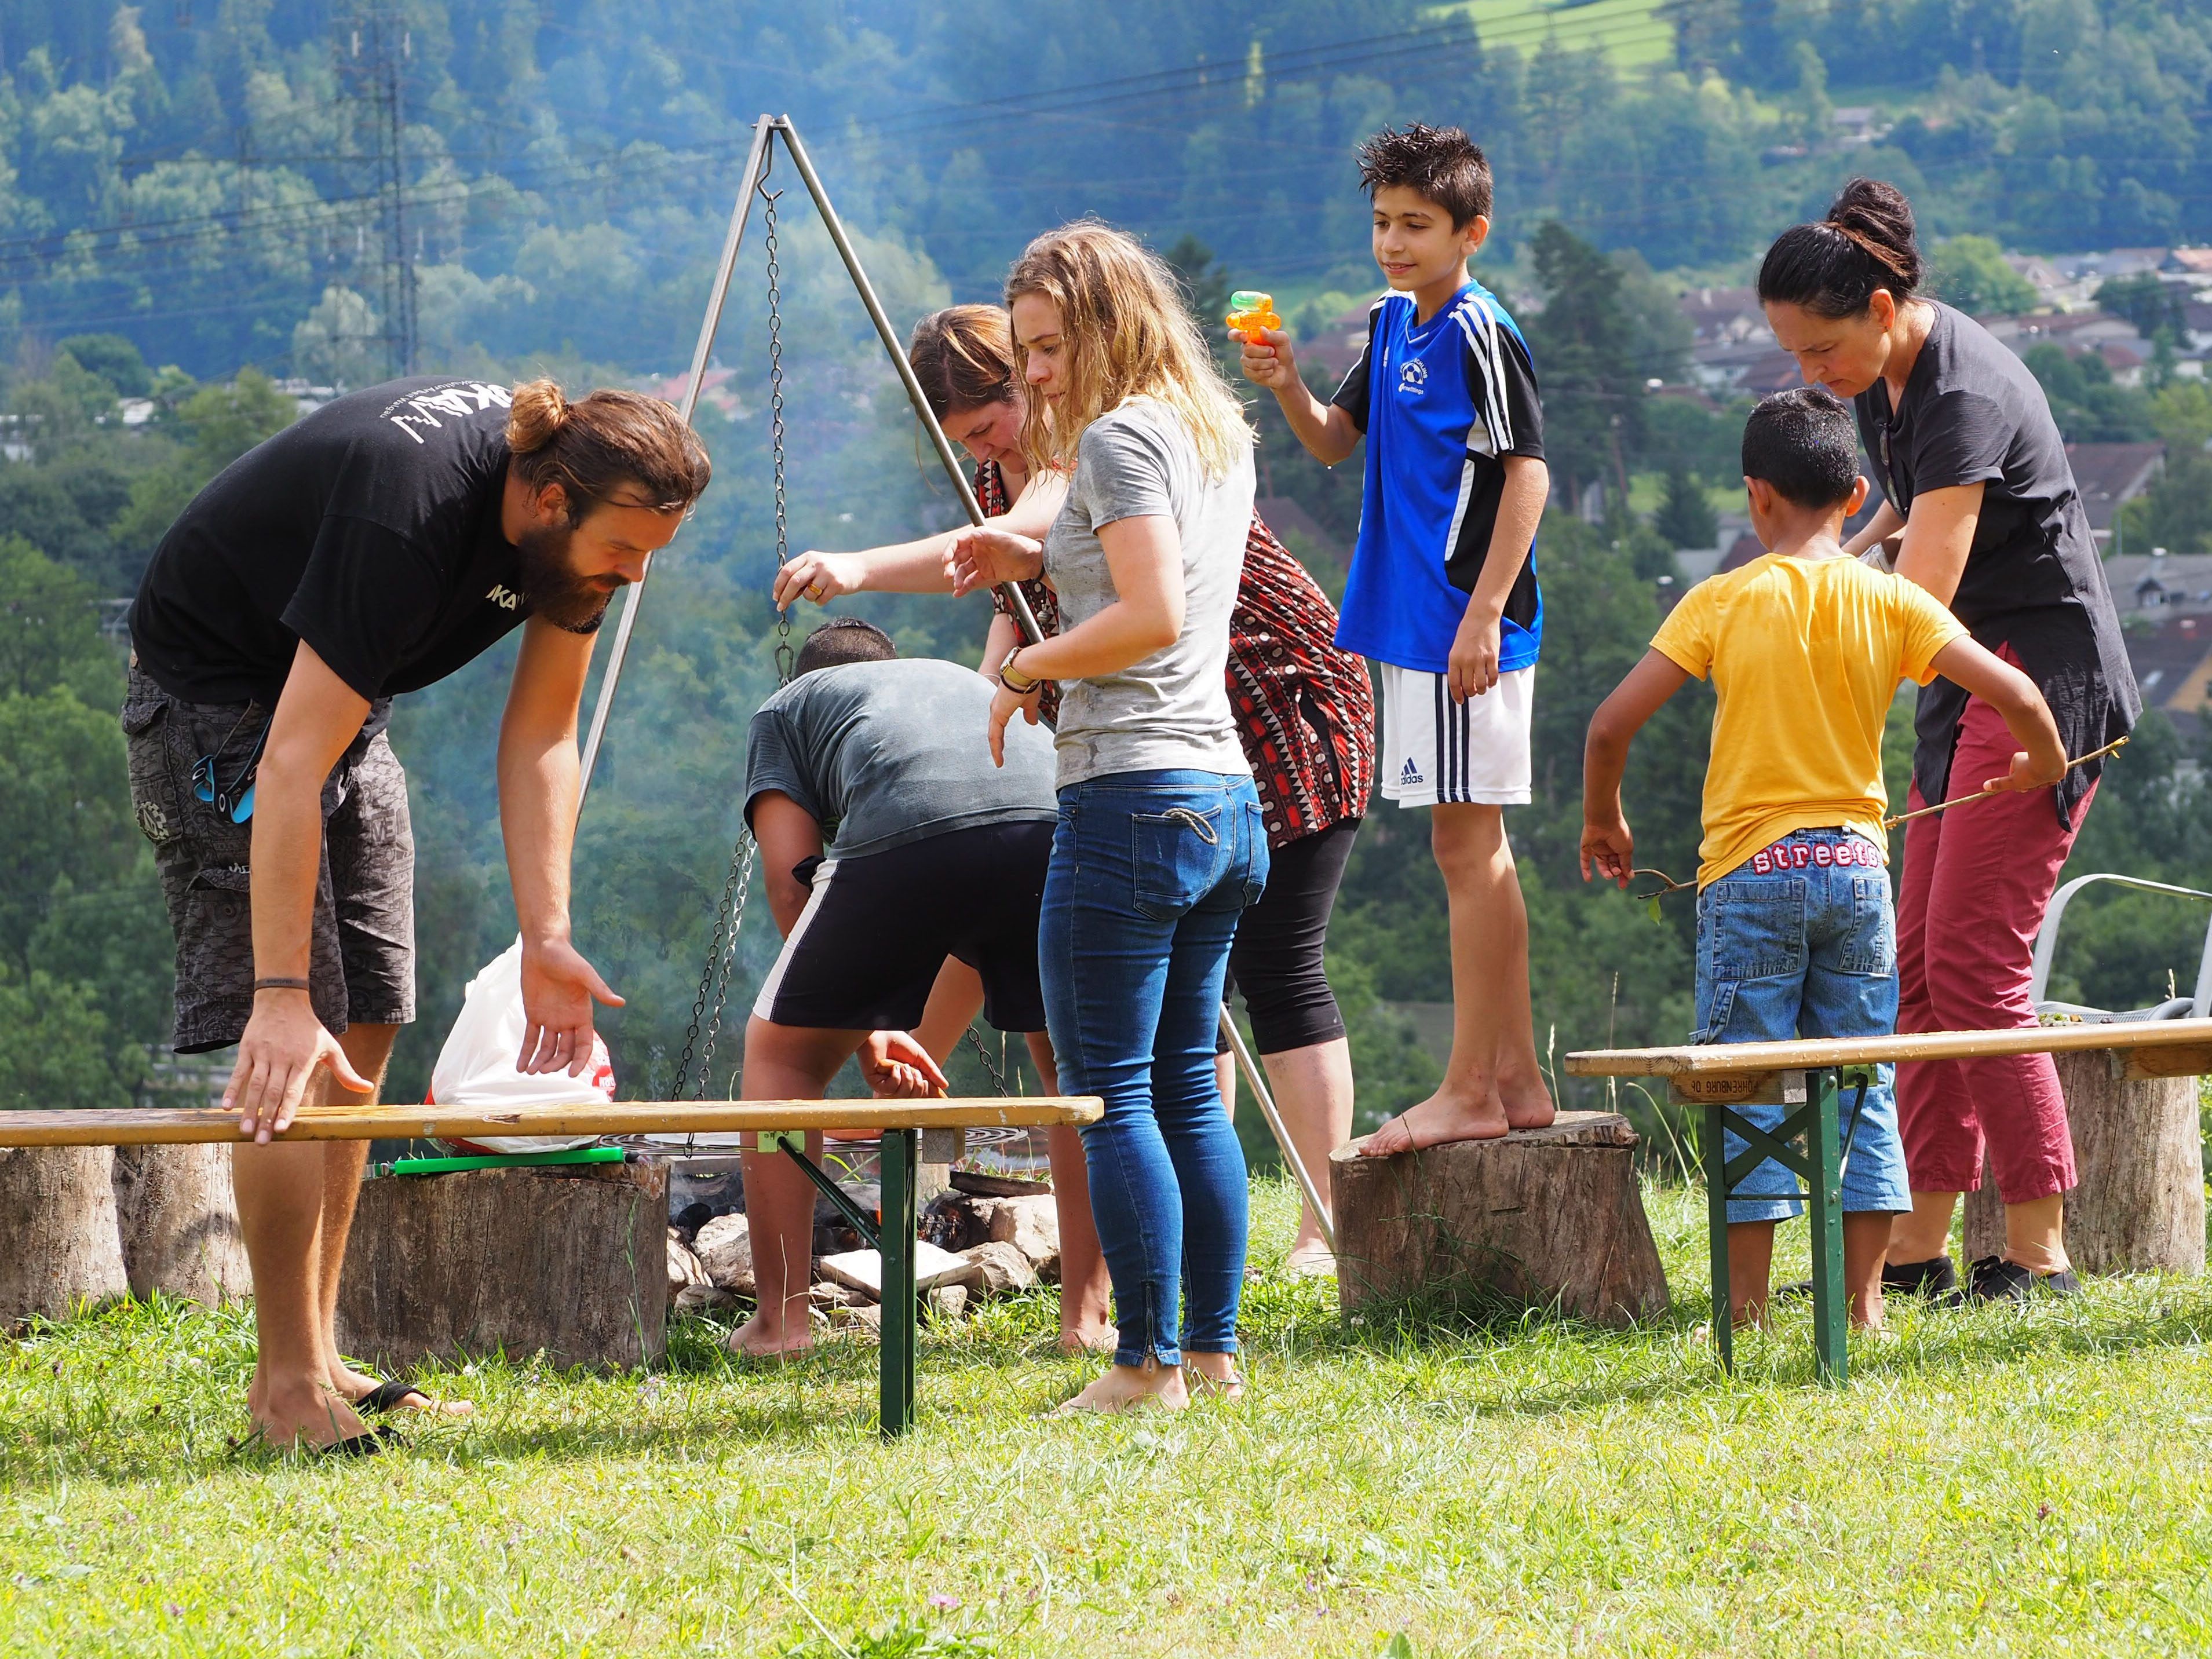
(1435, 750)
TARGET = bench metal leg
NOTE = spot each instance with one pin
(1824, 1192)
(901, 1155)
(1716, 1192)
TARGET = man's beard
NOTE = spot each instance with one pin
(553, 589)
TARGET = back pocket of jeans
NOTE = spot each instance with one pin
(1176, 857)
(1758, 928)
(1258, 858)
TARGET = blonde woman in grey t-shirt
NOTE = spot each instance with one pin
(1160, 842)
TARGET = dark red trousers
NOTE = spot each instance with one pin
(1976, 881)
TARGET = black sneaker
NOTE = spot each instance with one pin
(1934, 1277)
(1992, 1278)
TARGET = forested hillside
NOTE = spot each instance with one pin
(198, 198)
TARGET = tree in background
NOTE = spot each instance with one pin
(218, 424)
(112, 358)
(2176, 512)
(83, 958)
(1686, 518)
(1971, 273)
(2153, 306)
(2088, 406)
(1586, 351)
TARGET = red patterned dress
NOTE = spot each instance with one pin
(1305, 709)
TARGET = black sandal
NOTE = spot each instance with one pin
(368, 1443)
(386, 1397)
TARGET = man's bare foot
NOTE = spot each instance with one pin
(1100, 1338)
(772, 1345)
(1528, 1103)
(355, 1387)
(1310, 1258)
(1149, 1386)
(1441, 1117)
(302, 1415)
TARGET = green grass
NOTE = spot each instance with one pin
(2027, 1482)
(1633, 32)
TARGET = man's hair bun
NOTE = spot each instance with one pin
(620, 447)
(539, 411)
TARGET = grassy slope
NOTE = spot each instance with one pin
(1634, 32)
(2016, 1483)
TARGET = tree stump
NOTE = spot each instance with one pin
(179, 1223)
(1550, 1215)
(58, 1244)
(2138, 1152)
(572, 1263)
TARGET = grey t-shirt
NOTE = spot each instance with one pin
(883, 753)
(1170, 710)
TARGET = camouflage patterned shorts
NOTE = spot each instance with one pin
(362, 964)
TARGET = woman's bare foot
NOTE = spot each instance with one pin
(774, 1343)
(1528, 1103)
(1310, 1258)
(355, 1387)
(1097, 1338)
(1149, 1386)
(1445, 1115)
(302, 1415)
(1213, 1376)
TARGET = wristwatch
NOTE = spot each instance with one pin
(1012, 679)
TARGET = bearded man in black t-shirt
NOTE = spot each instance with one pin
(371, 549)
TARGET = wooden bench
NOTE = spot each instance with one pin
(1811, 1076)
(778, 1123)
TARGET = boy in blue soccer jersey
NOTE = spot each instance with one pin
(1443, 590)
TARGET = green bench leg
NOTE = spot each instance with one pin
(1825, 1193)
(901, 1155)
(1820, 1166)
(1716, 1192)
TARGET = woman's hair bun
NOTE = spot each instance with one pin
(1877, 216)
(535, 416)
(1835, 267)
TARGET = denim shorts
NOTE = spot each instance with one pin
(1802, 942)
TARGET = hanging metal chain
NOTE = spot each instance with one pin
(784, 660)
(998, 1077)
(721, 957)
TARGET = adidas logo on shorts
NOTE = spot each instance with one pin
(1411, 774)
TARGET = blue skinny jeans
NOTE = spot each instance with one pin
(1149, 872)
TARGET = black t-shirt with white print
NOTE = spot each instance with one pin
(370, 529)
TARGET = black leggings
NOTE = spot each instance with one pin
(1276, 959)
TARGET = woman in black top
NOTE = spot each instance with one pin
(1979, 506)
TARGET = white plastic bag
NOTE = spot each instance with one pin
(476, 1066)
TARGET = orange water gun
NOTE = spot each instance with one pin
(1251, 311)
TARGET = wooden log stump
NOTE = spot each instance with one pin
(2138, 1153)
(177, 1217)
(58, 1244)
(1550, 1215)
(573, 1263)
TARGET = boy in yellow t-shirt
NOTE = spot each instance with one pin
(1796, 932)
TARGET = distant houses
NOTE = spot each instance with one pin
(2109, 475)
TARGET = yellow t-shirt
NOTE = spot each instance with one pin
(1805, 655)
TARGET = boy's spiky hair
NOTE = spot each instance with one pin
(1802, 441)
(1442, 164)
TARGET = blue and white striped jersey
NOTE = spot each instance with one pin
(1440, 402)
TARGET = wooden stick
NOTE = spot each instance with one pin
(623, 1117)
(2112, 747)
(1698, 1059)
